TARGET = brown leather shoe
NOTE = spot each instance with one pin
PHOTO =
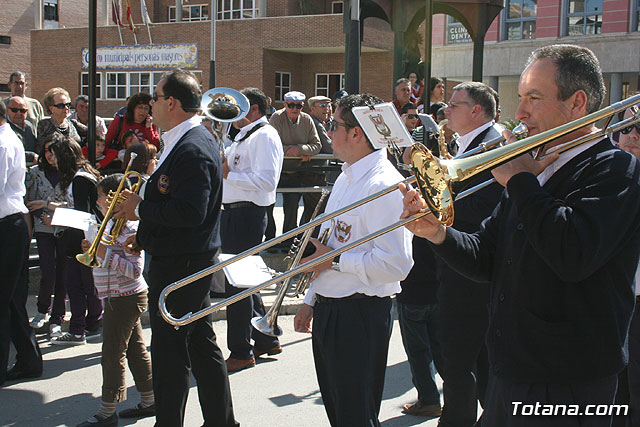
(271, 352)
(235, 365)
(418, 408)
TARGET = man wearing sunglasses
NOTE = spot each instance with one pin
(299, 139)
(409, 115)
(17, 117)
(18, 87)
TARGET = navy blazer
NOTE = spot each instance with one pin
(561, 259)
(180, 213)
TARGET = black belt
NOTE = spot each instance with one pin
(239, 205)
(11, 217)
(328, 300)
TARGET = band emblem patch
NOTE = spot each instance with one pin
(342, 231)
(236, 160)
(163, 184)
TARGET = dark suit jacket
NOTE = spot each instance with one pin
(468, 215)
(180, 213)
(561, 259)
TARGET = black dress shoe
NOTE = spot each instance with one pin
(138, 411)
(17, 373)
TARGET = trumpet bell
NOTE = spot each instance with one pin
(434, 183)
(224, 104)
(89, 260)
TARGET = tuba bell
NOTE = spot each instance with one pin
(223, 105)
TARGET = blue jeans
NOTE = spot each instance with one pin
(419, 329)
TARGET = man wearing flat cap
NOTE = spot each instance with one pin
(299, 139)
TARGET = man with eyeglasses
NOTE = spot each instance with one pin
(18, 86)
(17, 117)
(321, 112)
(470, 112)
(299, 139)
(409, 115)
(350, 299)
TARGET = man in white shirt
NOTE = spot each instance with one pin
(350, 300)
(251, 171)
(14, 323)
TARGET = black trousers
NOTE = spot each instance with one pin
(241, 229)
(350, 346)
(463, 324)
(504, 397)
(14, 321)
(192, 348)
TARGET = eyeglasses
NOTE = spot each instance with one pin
(62, 105)
(333, 125)
(629, 129)
(18, 110)
(323, 105)
(294, 105)
(453, 104)
(412, 116)
(157, 95)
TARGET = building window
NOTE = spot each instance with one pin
(337, 6)
(84, 84)
(116, 86)
(50, 14)
(584, 17)
(456, 32)
(5, 39)
(283, 85)
(197, 12)
(328, 84)
(4, 87)
(237, 9)
(121, 85)
(520, 21)
(140, 82)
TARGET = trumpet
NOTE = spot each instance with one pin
(268, 324)
(435, 178)
(89, 258)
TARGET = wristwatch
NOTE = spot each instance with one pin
(335, 264)
(136, 211)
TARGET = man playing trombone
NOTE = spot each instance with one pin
(560, 250)
(350, 299)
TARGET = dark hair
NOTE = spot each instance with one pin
(125, 136)
(577, 69)
(439, 115)
(145, 153)
(70, 159)
(17, 74)
(348, 102)
(3, 112)
(406, 107)
(256, 97)
(43, 164)
(83, 98)
(135, 100)
(184, 87)
(480, 94)
(435, 107)
(434, 82)
(112, 182)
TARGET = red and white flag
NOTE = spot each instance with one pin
(115, 13)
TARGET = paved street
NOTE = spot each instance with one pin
(279, 391)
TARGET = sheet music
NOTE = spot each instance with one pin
(72, 218)
(248, 272)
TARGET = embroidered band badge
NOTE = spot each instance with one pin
(342, 231)
(163, 184)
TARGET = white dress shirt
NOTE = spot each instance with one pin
(374, 268)
(13, 168)
(465, 140)
(171, 137)
(254, 166)
(563, 158)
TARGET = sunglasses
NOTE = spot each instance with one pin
(412, 116)
(629, 129)
(294, 105)
(323, 105)
(159, 95)
(333, 125)
(62, 105)
(18, 110)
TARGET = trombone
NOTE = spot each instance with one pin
(434, 177)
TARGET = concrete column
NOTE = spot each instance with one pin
(494, 82)
(615, 93)
(105, 13)
(38, 15)
(178, 10)
(262, 8)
